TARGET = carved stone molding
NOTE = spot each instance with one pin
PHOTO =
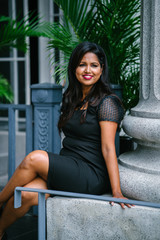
(43, 128)
(41, 95)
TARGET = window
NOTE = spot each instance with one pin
(15, 65)
(22, 70)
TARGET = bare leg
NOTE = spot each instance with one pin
(10, 214)
(34, 164)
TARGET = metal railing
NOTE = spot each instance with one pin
(12, 132)
(42, 209)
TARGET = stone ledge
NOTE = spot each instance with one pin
(84, 219)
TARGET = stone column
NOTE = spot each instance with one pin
(140, 169)
(46, 99)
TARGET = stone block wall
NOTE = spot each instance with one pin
(84, 219)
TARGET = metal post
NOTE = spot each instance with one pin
(12, 144)
(29, 129)
(41, 216)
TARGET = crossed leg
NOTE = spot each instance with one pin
(32, 173)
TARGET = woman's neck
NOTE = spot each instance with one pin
(85, 92)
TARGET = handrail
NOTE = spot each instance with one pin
(41, 203)
(12, 132)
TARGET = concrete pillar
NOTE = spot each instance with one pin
(46, 99)
(140, 169)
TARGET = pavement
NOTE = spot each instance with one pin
(25, 228)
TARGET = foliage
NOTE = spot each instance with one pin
(131, 89)
(13, 34)
(67, 35)
(115, 25)
(119, 24)
(6, 94)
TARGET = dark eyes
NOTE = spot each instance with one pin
(83, 65)
(93, 65)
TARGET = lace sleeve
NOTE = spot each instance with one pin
(110, 109)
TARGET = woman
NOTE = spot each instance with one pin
(87, 163)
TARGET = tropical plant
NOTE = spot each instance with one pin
(13, 35)
(6, 94)
(113, 24)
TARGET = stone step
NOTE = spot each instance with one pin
(84, 219)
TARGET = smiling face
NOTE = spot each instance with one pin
(88, 71)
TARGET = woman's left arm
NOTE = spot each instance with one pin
(108, 132)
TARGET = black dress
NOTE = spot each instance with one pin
(80, 166)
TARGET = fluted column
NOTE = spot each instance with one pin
(140, 169)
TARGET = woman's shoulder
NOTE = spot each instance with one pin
(110, 108)
(110, 99)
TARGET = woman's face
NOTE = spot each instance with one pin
(88, 71)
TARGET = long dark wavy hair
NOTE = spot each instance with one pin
(72, 97)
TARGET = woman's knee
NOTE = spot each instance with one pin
(34, 158)
(29, 198)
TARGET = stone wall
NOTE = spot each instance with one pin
(84, 219)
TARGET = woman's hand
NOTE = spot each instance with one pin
(120, 195)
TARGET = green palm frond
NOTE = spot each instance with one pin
(130, 85)
(67, 35)
(115, 25)
(6, 93)
(61, 37)
(74, 15)
(13, 33)
(75, 12)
